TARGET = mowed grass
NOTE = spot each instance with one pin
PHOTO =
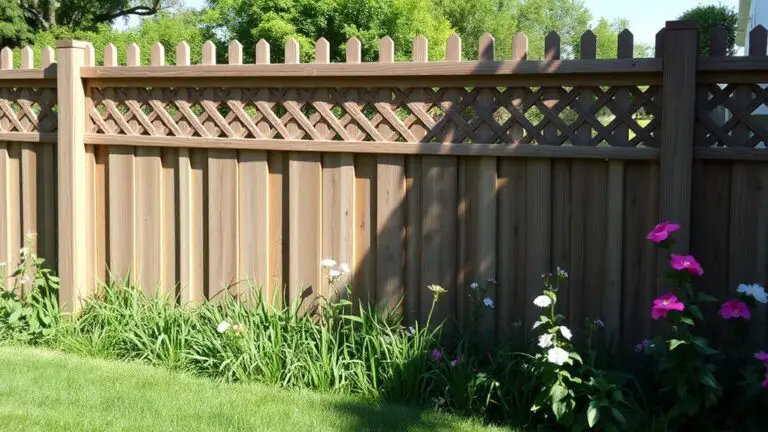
(42, 390)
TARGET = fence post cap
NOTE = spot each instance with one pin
(71, 43)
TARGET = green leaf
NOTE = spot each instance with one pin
(537, 324)
(696, 312)
(593, 413)
(686, 320)
(617, 396)
(674, 343)
(576, 357)
(702, 345)
(618, 416)
(15, 316)
(353, 318)
(558, 392)
(705, 298)
(559, 409)
(709, 381)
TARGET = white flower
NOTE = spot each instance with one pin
(755, 291)
(223, 326)
(542, 301)
(545, 340)
(566, 332)
(474, 286)
(334, 273)
(599, 323)
(492, 281)
(24, 280)
(344, 268)
(411, 331)
(24, 251)
(488, 302)
(328, 263)
(557, 356)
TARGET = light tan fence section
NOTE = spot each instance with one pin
(413, 173)
(27, 157)
(197, 178)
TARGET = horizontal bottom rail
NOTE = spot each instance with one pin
(428, 148)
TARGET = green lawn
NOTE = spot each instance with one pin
(43, 390)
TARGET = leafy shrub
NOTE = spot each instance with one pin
(29, 308)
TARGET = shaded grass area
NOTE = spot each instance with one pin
(42, 390)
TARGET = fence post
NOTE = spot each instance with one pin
(681, 41)
(71, 174)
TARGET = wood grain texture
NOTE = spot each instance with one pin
(539, 231)
(72, 197)
(366, 147)
(439, 208)
(149, 219)
(223, 215)
(305, 226)
(278, 226)
(122, 208)
(365, 229)
(413, 287)
(338, 202)
(390, 231)
(254, 207)
(511, 248)
(748, 257)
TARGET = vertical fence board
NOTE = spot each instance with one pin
(305, 226)
(513, 298)
(749, 235)
(122, 243)
(28, 196)
(149, 219)
(562, 212)
(614, 232)
(365, 228)
(413, 286)
(338, 192)
(278, 226)
(439, 223)
(223, 239)
(254, 219)
(641, 202)
(538, 238)
(47, 236)
(390, 226)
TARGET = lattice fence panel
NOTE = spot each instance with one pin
(725, 115)
(581, 115)
(27, 109)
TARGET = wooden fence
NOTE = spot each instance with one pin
(194, 177)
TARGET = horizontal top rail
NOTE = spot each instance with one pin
(403, 69)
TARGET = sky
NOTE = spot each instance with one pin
(646, 17)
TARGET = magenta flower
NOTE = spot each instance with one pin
(735, 309)
(664, 304)
(436, 355)
(661, 232)
(687, 263)
(762, 356)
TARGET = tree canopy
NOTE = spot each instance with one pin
(43, 21)
(711, 16)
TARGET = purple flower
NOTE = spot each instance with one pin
(456, 361)
(436, 355)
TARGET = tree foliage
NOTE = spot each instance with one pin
(168, 29)
(13, 27)
(710, 16)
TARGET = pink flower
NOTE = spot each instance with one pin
(436, 355)
(664, 304)
(762, 356)
(687, 263)
(735, 309)
(661, 232)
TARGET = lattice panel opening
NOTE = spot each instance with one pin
(27, 109)
(732, 115)
(587, 116)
